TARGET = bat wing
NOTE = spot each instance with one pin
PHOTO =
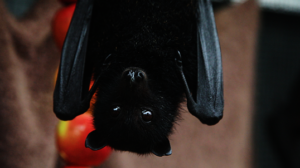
(208, 105)
(72, 95)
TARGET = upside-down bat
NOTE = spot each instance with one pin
(146, 57)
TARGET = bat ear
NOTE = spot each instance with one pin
(94, 141)
(163, 148)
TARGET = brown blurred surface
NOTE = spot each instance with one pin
(28, 60)
(229, 143)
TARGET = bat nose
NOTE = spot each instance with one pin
(134, 75)
(134, 84)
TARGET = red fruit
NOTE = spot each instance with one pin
(61, 23)
(93, 100)
(70, 140)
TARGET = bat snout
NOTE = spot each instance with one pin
(134, 75)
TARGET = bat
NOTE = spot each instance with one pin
(145, 57)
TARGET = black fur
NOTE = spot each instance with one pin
(145, 34)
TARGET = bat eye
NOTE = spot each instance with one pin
(147, 116)
(116, 111)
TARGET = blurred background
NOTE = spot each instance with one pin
(260, 43)
(276, 125)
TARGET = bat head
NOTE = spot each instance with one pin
(135, 110)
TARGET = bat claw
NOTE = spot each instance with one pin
(94, 141)
(162, 149)
(212, 120)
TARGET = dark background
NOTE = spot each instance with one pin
(276, 123)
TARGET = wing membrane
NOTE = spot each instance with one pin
(71, 88)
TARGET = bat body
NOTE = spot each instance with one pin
(142, 37)
(145, 57)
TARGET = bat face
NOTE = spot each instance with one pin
(137, 104)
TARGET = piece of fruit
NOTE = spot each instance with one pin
(70, 139)
(61, 23)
